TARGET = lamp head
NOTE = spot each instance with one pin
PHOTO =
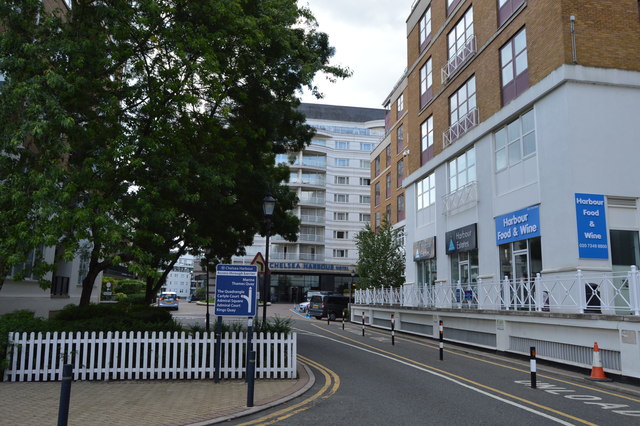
(268, 204)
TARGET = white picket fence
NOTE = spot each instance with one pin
(145, 356)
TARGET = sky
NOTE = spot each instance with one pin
(370, 39)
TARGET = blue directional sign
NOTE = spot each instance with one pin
(592, 226)
(236, 288)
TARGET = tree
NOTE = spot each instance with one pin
(161, 120)
(381, 258)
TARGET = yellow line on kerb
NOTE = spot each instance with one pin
(455, 352)
(463, 379)
(331, 379)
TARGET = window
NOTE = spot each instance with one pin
(342, 180)
(283, 159)
(514, 66)
(426, 82)
(313, 179)
(461, 43)
(388, 185)
(341, 235)
(364, 164)
(387, 213)
(365, 199)
(426, 190)
(341, 198)
(377, 224)
(366, 146)
(377, 165)
(400, 207)
(340, 253)
(462, 101)
(365, 217)
(365, 181)
(342, 145)
(314, 160)
(400, 173)
(320, 142)
(462, 170)
(377, 193)
(400, 103)
(426, 139)
(388, 154)
(27, 268)
(424, 28)
(506, 9)
(400, 139)
(342, 162)
(451, 4)
(515, 141)
(341, 216)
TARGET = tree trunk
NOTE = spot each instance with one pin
(150, 291)
(87, 286)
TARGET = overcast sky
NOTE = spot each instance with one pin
(370, 38)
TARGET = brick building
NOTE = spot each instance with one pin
(513, 128)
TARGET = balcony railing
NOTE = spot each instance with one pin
(320, 201)
(458, 59)
(312, 218)
(461, 199)
(311, 237)
(296, 256)
(462, 126)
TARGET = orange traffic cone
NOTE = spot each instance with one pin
(597, 372)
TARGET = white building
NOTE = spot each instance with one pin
(332, 180)
(180, 277)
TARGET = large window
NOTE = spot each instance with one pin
(426, 139)
(365, 181)
(377, 165)
(341, 198)
(424, 27)
(461, 34)
(451, 4)
(400, 173)
(515, 141)
(387, 213)
(366, 146)
(341, 216)
(342, 145)
(514, 66)
(426, 82)
(27, 268)
(400, 139)
(506, 9)
(314, 160)
(377, 193)
(364, 164)
(388, 154)
(463, 101)
(342, 162)
(365, 217)
(365, 199)
(341, 180)
(400, 207)
(340, 253)
(388, 185)
(426, 190)
(462, 170)
(400, 103)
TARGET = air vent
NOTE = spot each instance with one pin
(621, 202)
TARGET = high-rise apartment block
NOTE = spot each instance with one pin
(511, 145)
(331, 178)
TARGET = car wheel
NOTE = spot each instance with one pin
(319, 317)
(332, 316)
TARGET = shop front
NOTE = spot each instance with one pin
(290, 281)
(462, 249)
(518, 241)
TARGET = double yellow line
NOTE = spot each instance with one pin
(331, 385)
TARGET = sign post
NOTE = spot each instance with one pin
(236, 295)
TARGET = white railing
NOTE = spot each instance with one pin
(311, 237)
(145, 356)
(459, 58)
(467, 196)
(461, 127)
(296, 256)
(312, 218)
(613, 293)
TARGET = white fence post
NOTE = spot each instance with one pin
(506, 293)
(459, 295)
(582, 294)
(538, 292)
(634, 291)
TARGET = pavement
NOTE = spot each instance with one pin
(150, 402)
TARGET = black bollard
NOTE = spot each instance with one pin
(251, 368)
(363, 324)
(393, 331)
(65, 395)
(441, 341)
(532, 360)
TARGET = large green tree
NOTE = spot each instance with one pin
(381, 258)
(166, 119)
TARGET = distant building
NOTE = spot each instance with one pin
(180, 278)
(514, 127)
(332, 180)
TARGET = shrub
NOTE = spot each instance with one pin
(129, 287)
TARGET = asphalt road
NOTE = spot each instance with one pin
(367, 381)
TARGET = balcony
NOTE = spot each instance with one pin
(458, 59)
(314, 238)
(311, 219)
(462, 199)
(316, 201)
(296, 256)
(462, 126)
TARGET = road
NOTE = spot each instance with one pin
(366, 380)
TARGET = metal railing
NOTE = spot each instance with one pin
(460, 127)
(612, 294)
(312, 218)
(465, 196)
(459, 58)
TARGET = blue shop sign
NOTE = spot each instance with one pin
(518, 225)
(592, 226)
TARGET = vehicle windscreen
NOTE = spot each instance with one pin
(316, 299)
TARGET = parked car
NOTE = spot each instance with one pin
(330, 306)
(304, 306)
(169, 300)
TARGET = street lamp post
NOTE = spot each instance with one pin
(268, 204)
